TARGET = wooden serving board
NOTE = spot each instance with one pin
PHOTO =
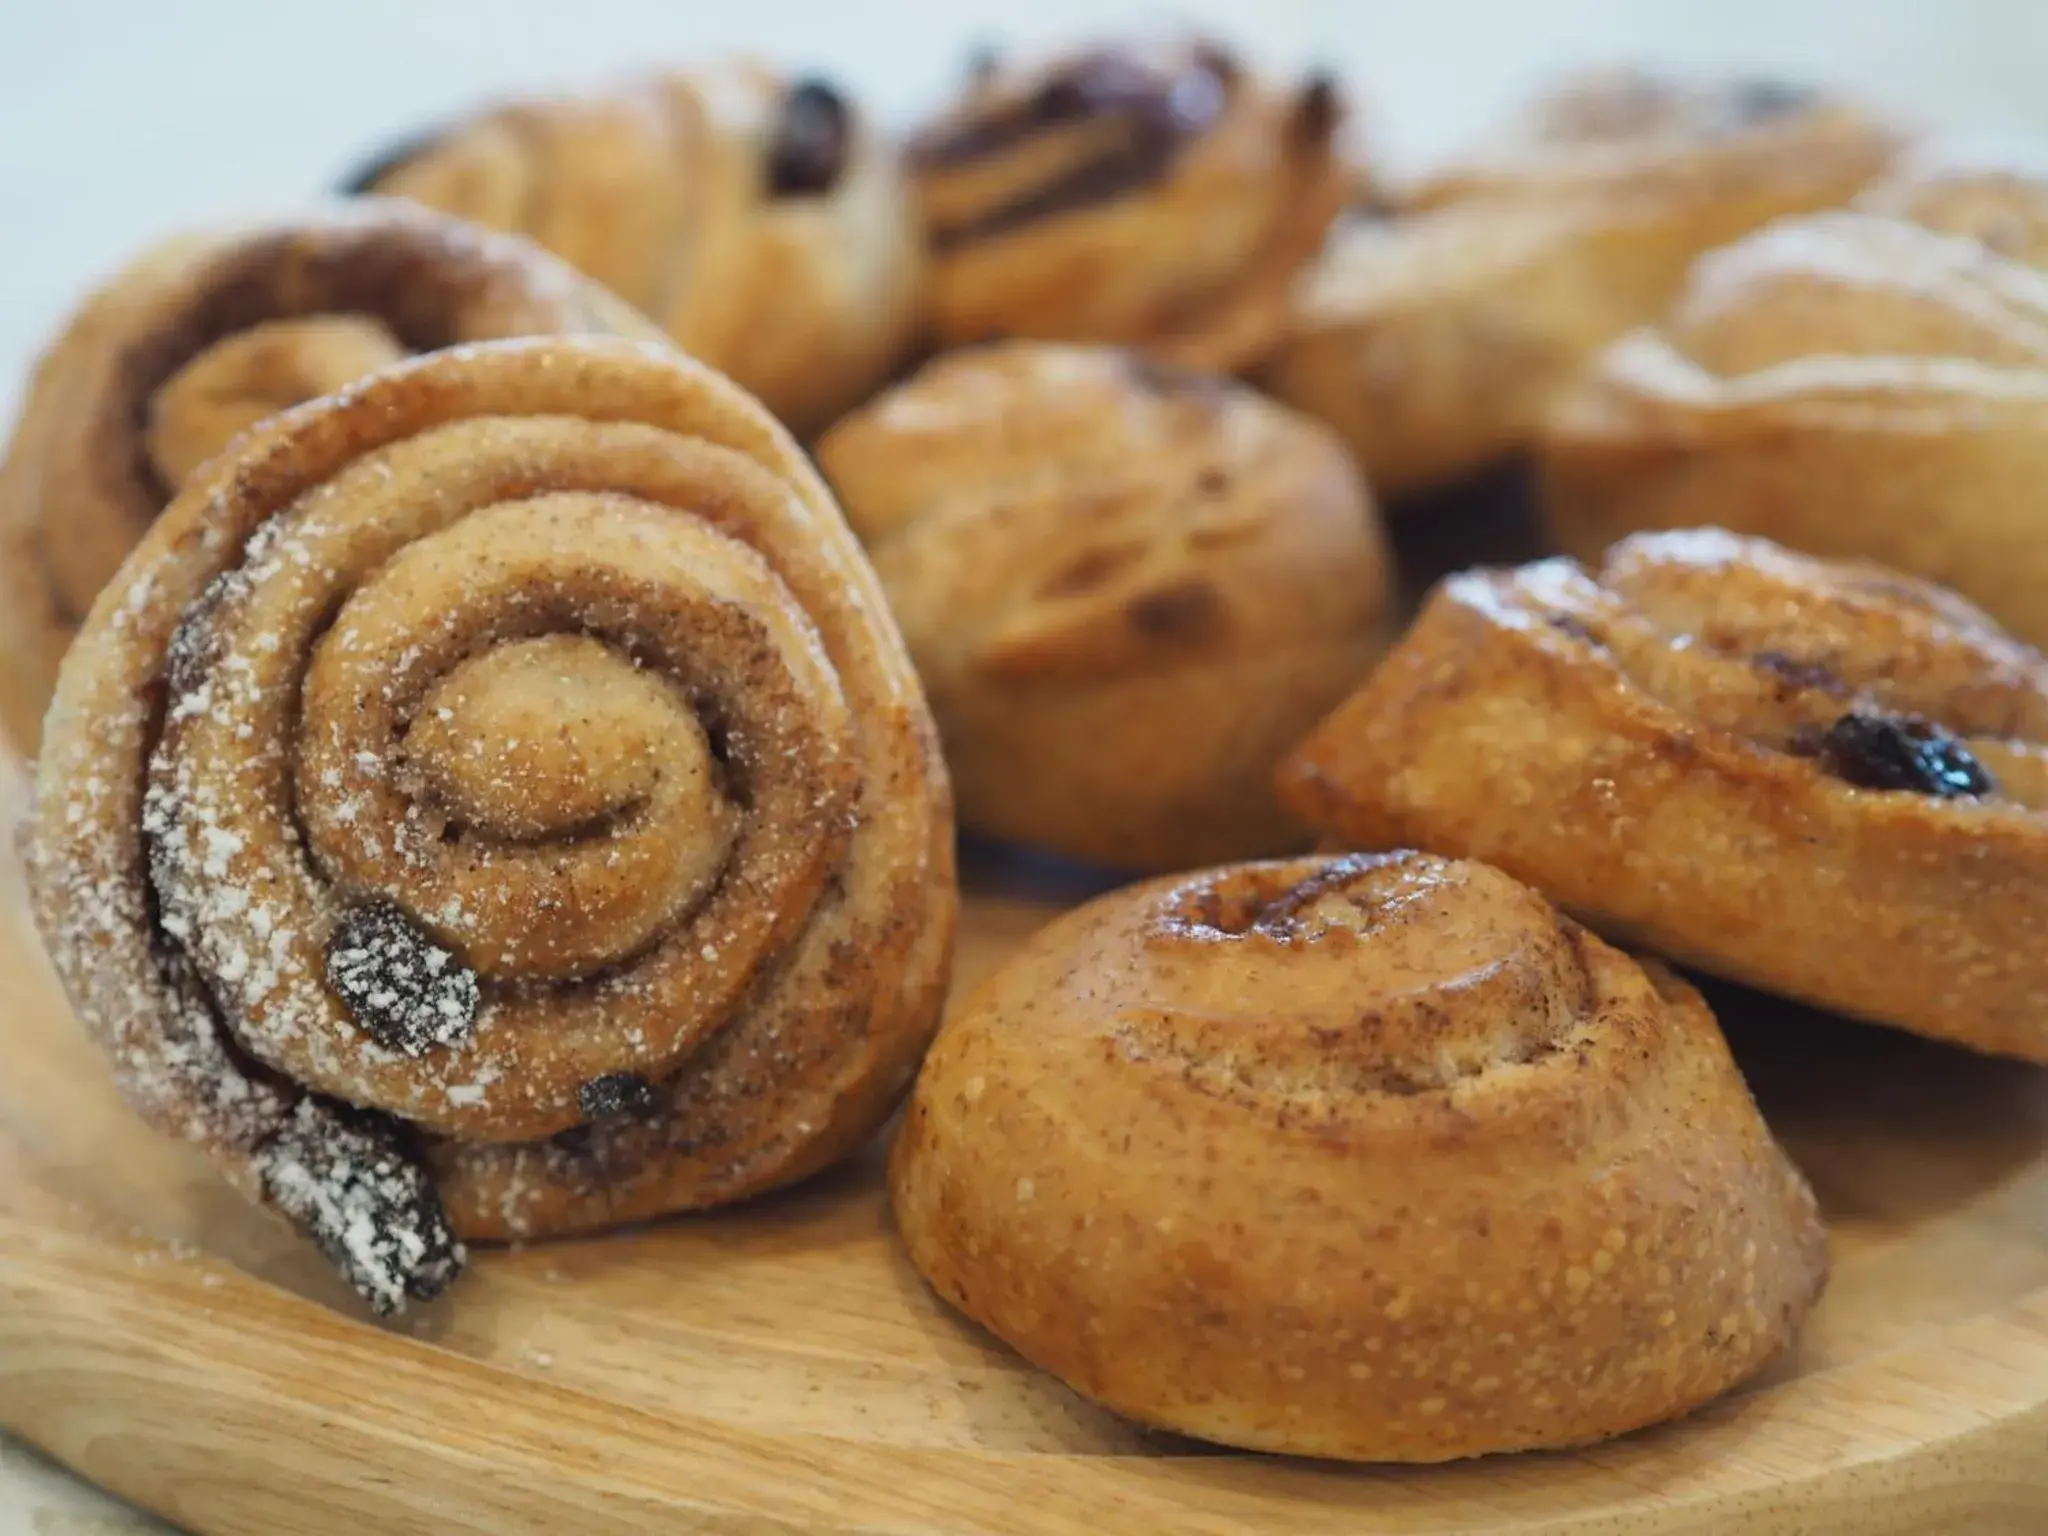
(781, 1369)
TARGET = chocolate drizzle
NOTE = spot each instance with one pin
(1159, 112)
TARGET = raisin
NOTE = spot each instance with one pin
(809, 151)
(411, 994)
(615, 1094)
(1902, 752)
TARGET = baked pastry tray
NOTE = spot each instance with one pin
(782, 1369)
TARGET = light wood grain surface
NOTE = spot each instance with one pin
(781, 1369)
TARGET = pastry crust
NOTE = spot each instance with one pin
(199, 339)
(1128, 591)
(758, 218)
(1871, 382)
(1433, 334)
(1825, 780)
(1375, 1157)
(494, 802)
(1153, 193)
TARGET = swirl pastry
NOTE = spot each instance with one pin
(1156, 195)
(1871, 382)
(1374, 1157)
(1828, 781)
(493, 802)
(1433, 339)
(758, 219)
(1128, 590)
(201, 338)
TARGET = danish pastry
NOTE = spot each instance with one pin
(1433, 336)
(759, 219)
(1374, 1157)
(201, 338)
(1128, 590)
(1154, 193)
(1826, 780)
(493, 802)
(1869, 383)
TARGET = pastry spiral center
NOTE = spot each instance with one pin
(1431, 971)
(254, 374)
(556, 736)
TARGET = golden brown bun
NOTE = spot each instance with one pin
(1375, 1157)
(515, 747)
(1128, 591)
(1829, 781)
(1153, 193)
(202, 337)
(1871, 383)
(759, 219)
(1432, 339)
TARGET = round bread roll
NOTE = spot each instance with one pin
(1825, 780)
(759, 219)
(1128, 591)
(1433, 334)
(1373, 1157)
(1868, 383)
(1153, 192)
(492, 802)
(199, 339)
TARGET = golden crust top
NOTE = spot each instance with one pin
(1373, 1157)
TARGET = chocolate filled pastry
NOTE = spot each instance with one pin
(493, 802)
(757, 217)
(1825, 780)
(1872, 382)
(201, 338)
(1433, 334)
(1128, 591)
(1155, 194)
(1374, 1157)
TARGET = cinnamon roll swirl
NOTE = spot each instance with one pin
(493, 802)
(759, 219)
(1826, 780)
(1129, 591)
(1156, 194)
(201, 338)
(1870, 383)
(1433, 336)
(1374, 1157)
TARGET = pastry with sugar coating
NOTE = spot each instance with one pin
(493, 802)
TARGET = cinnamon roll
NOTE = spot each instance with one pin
(1826, 780)
(1153, 193)
(1871, 383)
(1374, 1157)
(201, 338)
(1433, 336)
(493, 802)
(759, 219)
(1128, 590)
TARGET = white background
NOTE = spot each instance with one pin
(125, 120)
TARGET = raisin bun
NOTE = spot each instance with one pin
(756, 217)
(1823, 779)
(1155, 192)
